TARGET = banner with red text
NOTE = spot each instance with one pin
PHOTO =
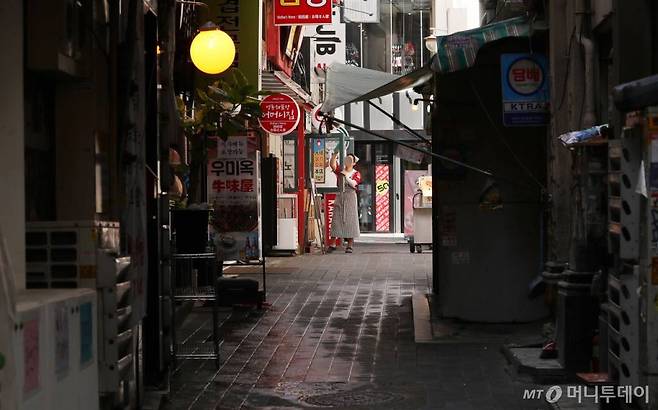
(234, 193)
(382, 202)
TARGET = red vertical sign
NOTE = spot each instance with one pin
(329, 200)
(382, 203)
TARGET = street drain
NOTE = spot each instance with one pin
(344, 399)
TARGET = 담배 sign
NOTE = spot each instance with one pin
(301, 12)
(280, 114)
(525, 89)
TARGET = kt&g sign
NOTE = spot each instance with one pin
(300, 12)
(525, 89)
(280, 114)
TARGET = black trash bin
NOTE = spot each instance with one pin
(191, 229)
(576, 321)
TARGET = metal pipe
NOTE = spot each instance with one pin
(589, 115)
(404, 144)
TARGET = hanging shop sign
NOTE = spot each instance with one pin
(281, 114)
(327, 46)
(233, 191)
(525, 89)
(301, 12)
(382, 182)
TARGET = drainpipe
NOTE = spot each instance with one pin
(582, 16)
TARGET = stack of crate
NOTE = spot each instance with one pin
(85, 254)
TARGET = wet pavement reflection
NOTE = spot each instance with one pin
(339, 334)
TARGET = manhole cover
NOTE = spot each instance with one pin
(353, 398)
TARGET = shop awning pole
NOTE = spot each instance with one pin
(404, 144)
(398, 122)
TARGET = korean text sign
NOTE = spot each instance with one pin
(280, 114)
(524, 79)
(233, 192)
(300, 12)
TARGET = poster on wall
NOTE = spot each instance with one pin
(329, 144)
(382, 200)
(319, 160)
(61, 340)
(301, 12)
(290, 164)
(524, 78)
(234, 192)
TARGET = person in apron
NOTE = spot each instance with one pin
(345, 222)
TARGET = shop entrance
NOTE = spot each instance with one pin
(375, 191)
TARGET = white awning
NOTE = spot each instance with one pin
(345, 84)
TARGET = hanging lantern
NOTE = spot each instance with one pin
(212, 50)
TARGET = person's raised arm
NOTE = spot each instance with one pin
(332, 161)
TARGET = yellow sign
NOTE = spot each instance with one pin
(382, 187)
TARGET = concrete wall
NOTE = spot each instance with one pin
(12, 172)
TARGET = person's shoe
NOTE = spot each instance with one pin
(348, 249)
(331, 249)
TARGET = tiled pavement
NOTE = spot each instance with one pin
(339, 334)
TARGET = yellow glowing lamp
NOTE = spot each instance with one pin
(212, 50)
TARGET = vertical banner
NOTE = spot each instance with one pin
(327, 47)
(382, 201)
(525, 89)
(233, 191)
(329, 201)
(318, 160)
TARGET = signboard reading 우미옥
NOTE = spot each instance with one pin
(525, 89)
(300, 12)
(233, 190)
(281, 114)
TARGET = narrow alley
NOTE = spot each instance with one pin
(339, 334)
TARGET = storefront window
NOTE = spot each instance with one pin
(396, 44)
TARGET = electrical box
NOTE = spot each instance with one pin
(56, 349)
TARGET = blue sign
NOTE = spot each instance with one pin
(525, 89)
